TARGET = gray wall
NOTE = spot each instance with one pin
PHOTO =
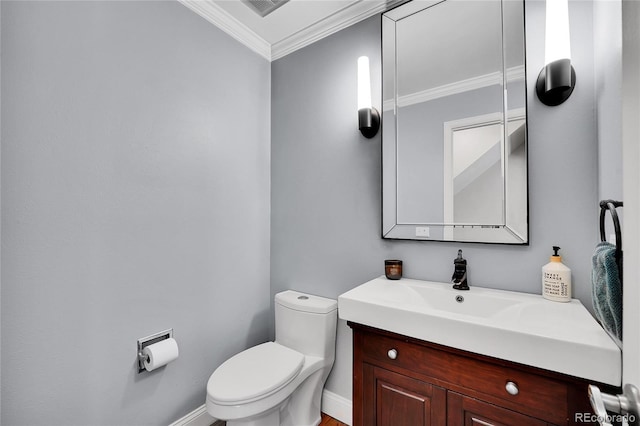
(420, 156)
(0, 211)
(135, 197)
(326, 179)
(608, 64)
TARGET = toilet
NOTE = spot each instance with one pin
(279, 383)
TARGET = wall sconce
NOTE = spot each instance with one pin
(558, 78)
(368, 116)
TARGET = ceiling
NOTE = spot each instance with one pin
(290, 27)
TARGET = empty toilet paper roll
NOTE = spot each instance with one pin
(160, 354)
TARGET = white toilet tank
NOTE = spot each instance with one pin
(306, 323)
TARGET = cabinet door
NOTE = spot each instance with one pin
(391, 399)
(466, 411)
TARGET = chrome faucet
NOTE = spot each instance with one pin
(459, 278)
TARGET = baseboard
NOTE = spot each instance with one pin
(333, 404)
(337, 406)
(198, 417)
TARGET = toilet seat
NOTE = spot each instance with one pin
(254, 374)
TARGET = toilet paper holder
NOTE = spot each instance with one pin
(150, 340)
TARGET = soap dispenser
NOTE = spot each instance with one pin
(556, 279)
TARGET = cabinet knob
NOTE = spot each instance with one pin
(512, 388)
(393, 354)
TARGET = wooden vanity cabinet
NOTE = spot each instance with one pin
(408, 401)
(398, 380)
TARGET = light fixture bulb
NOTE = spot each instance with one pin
(557, 39)
(368, 116)
(557, 79)
(364, 83)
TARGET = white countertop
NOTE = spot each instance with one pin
(519, 327)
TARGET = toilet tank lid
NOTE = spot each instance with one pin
(306, 302)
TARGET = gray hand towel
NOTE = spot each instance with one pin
(606, 289)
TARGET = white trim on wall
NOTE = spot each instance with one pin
(338, 407)
(230, 25)
(513, 74)
(333, 404)
(198, 417)
(344, 18)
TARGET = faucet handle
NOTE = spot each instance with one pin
(459, 278)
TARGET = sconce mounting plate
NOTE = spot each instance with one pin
(556, 96)
(368, 122)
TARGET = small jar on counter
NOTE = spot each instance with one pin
(393, 269)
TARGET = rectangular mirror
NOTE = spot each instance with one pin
(454, 122)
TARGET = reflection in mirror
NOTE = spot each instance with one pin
(454, 122)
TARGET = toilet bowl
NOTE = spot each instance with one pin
(279, 383)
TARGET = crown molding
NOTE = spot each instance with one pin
(451, 89)
(513, 74)
(343, 18)
(230, 25)
(339, 20)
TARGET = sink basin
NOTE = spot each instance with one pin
(518, 327)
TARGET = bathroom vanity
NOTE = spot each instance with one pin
(398, 380)
(423, 357)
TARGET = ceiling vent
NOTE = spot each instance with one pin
(264, 7)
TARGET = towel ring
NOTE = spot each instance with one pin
(611, 206)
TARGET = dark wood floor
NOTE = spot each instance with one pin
(330, 421)
(326, 421)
